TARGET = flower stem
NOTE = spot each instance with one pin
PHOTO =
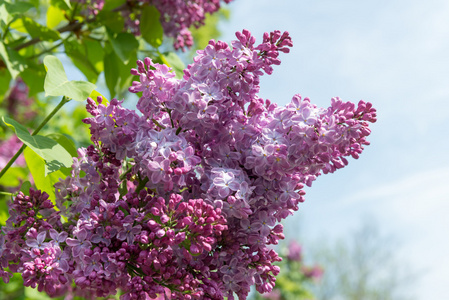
(36, 131)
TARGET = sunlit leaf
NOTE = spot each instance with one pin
(36, 165)
(65, 142)
(95, 94)
(54, 16)
(57, 83)
(55, 155)
(14, 176)
(13, 61)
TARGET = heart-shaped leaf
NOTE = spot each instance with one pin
(55, 155)
(57, 84)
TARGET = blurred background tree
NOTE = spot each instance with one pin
(361, 266)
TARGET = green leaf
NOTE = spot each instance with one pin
(113, 20)
(94, 95)
(87, 56)
(124, 44)
(37, 168)
(55, 155)
(4, 215)
(37, 30)
(68, 3)
(65, 142)
(54, 16)
(113, 4)
(5, 17)
(34, 77)
(172, 60)
(57, 83)
(150, 26)
(95, 54)
(13, 61)
(111, 76)
(5, 78)
(34, 294)
(125, 74)
(25, 188)
(62, 4)
(14, 176)
(9, 10)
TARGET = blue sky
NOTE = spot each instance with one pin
(394, 54)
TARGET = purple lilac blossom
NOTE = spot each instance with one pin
(176, 16)
(181, 198)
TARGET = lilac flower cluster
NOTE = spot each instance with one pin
(18, 102)
(177, 16)
(184, 198)
(8, 148)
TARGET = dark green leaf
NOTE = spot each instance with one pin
(113, 4)
(125, 74)
(124, 44)
(150, 26)
(57, 84)
(95, 54)
(34, 77)
(16, 8)
(91, 64)
(37, 30)
(54, 154)
(111, 65)
(62, 4)
(113, 20)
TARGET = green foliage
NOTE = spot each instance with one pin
(150, 26)
(54, 155)
(37, 30)
(87, 56)
(13, 61)
(124, 44)
(57, 84)
(42, 180)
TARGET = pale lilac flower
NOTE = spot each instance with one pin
(38, 243)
